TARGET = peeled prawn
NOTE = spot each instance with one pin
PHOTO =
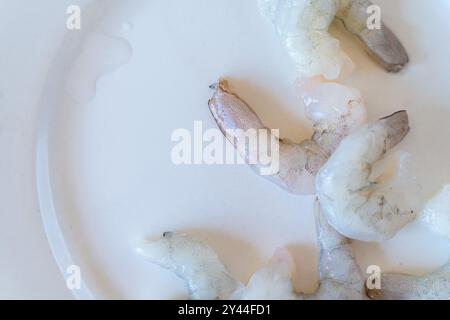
(339, 274)
(207, 278)
(303, 28)
(340, 277)
(335, 110)
(193, 261)
(355, 203)
(435, 286)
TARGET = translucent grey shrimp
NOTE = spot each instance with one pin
(340, 277)
(195, 262)
(303, 28)
(207, 278)
(335, 110)
(435, 286)
(298, 163)
(339, 274)
(355, 203)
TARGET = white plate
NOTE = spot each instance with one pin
(105, 176)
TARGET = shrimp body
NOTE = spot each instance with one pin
(340, 277)
(207, 277)
(303, 29)
(334, 109)
(195, 262)
(355, 203)
(435, 286)
(272, 282)
(436, 213)
(339, 273)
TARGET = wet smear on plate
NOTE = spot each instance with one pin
(99, 55)
(127, 26)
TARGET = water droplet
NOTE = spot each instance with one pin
(99, 55)
(127, 26)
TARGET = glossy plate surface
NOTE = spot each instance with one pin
(138, 70)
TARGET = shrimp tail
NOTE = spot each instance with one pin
(435, 286)
(385, 48)
(231, 112)
(381, 43)
(397, 127)
(293, 166)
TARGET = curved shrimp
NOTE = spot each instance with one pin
(436, 213)
(207, 277)
(339, 274)
(357, 204)
(340, 277)
(195, 262)
(435, 286)
(334, 117)
(303, 28)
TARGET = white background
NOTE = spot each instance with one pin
(30, 33)
(27, 268)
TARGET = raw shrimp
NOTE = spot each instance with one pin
(272, 282)
(334, 109)
(357, 204)
(199, 266)
(436, 213)
(382, 44)
(193, 261)
(207, 278)
(435, 286)
(339, 274)
(303, 28)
